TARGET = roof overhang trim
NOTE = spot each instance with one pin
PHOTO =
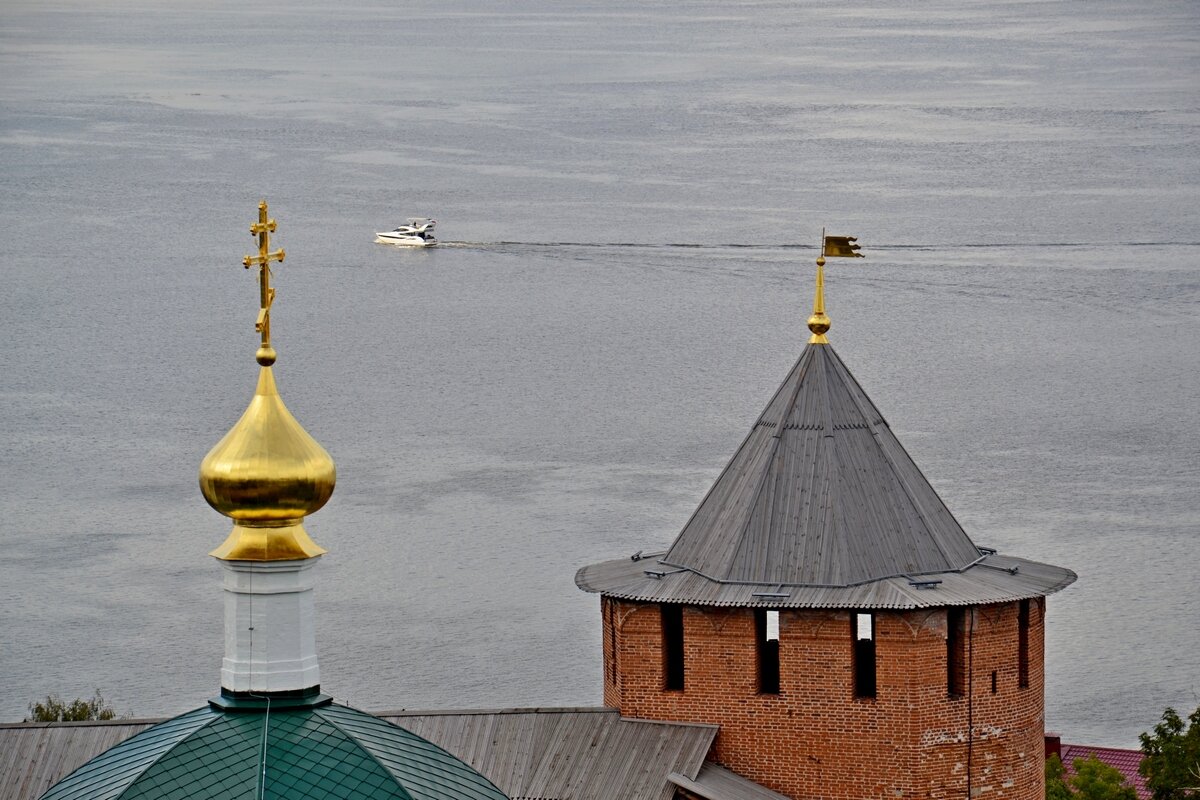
(993, 579)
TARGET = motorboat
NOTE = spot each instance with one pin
(418, 232)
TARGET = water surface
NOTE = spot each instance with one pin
(633, 192)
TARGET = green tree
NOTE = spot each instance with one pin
(55, 709)
(1092, 780)
(1171, 757)
(1095, 780)
(1056, 782)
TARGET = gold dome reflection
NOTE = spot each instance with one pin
(267, 474)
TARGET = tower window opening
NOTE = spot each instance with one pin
(864, 655)
(1023, 645)
(672, 630)
(956, 653)
(612, 642)
(766, 635)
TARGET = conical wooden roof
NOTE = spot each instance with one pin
(821, 493)
(821, 506)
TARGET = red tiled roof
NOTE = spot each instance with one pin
(1124, 760)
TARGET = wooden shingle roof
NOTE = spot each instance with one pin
(821, 506)
(543, 753)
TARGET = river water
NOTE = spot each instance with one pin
(631, 195)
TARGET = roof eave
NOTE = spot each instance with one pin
(994, 579)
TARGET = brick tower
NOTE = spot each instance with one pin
(823, 606)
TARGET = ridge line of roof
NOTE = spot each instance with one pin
(729, 461)
(358, 744)
(830, 493)
(776, 494)
(901, 480)
(672, 723)
(85, 723)
(462, 712)
(145, 770)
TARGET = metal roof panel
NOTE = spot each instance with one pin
(820, 506)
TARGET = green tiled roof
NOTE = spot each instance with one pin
(325, 753)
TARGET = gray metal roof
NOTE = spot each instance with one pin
(717, 783)
(995, 579)
(568, 754)
(821, 506)
(549, 754)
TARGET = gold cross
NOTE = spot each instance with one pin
(263, 229)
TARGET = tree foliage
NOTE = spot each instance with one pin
(1171, 757)
(1092, 780)
(1095, 780)
(1056, 781)
(55, 709)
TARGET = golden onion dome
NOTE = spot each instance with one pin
(267, 474)
(267, 468)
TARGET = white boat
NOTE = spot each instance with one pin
(418, 232)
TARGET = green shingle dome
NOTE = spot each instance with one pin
(326, 752)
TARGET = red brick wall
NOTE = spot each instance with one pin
(814, 739)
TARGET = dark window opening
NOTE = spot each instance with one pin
(993, 681)
(1023, 645)
(956, 653)
(672, 627)
(766, 635)
(612, 643)
(864, 655)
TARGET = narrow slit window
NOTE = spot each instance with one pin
(864, 655)
(1023, 645)
(956, 653)
(612, 643)
(672, 628)
(766, 629)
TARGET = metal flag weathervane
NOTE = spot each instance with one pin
(263, 229)
(839, 246)
(833, 247)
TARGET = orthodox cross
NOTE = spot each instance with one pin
(263, 229)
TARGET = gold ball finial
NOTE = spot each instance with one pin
(818, 323)
(265, 356)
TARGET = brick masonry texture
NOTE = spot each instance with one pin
(815, 740)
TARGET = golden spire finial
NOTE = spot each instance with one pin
(263, 229)
(818, 323)
(832, 246)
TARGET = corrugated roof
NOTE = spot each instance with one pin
(717, 783)
(559, 754)
(821, 506)
(36, 754)
(568, 754)
(995, 579)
